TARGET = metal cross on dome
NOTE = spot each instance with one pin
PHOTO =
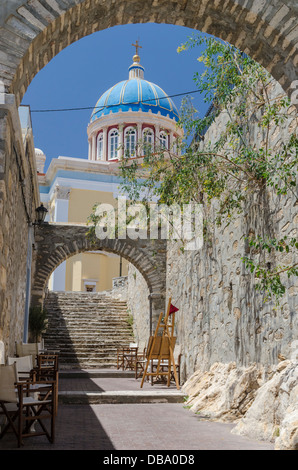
(137, 46)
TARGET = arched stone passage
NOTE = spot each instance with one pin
(34, 31)
(54, 243)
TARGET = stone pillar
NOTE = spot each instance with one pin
(157, 305)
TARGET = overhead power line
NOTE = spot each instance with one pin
(111, 105)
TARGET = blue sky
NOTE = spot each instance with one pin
(79, 75)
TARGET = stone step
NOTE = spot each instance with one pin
(83, 349)
(79, 311)
(105, 330)
(121, 397)
(86, 329)
(87, 314)
(91, 343)
(167, 395)
(85, 357)
(106, 325)
(100, 336)
(76, 365)
(98, 373)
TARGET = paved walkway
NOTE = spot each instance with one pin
(131, 426)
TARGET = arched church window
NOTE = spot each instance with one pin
(130, 142)
(163, 139)
(113, 143)
(100, 146)
(148, 140)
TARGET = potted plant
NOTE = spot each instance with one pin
(37, 322)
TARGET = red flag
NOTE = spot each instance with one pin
(173, 309)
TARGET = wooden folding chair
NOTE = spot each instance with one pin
(120, 358)
(24, 367)
(28, 349)
(164, 364)
(129, 358)
(17, 405)
(47, 361)
(140, 359)
(47, 369)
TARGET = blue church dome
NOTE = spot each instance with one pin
(135, 94)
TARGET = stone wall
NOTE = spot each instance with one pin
(240, 356)
(222, 317)
(138, 304)
(18, 201)
(33, 32)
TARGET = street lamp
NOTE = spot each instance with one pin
(41, 212)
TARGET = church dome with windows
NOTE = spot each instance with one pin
(133, 95)
(132, 111)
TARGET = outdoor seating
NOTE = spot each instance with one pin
(22, 410)
(127, 357)
(120, 359)
(123, 354)
(47, 369)
(24, 366)
(140, 360)
(47, 361)
(164, 364)
(26, 349)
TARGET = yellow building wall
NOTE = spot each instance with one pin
(81, 202)
(98, 267)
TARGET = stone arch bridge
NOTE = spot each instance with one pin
(55, 242)
(34, 31)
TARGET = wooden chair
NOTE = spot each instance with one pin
(17, 404)
(127, 357)
(47, 361)
(120, 358)
(47, 369)
(140, 360)
(26, 349)
(24, 367)
(164, 364)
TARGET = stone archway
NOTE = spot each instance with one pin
(34, 31)
(54, 243)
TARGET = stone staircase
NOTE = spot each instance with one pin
(87, 329)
